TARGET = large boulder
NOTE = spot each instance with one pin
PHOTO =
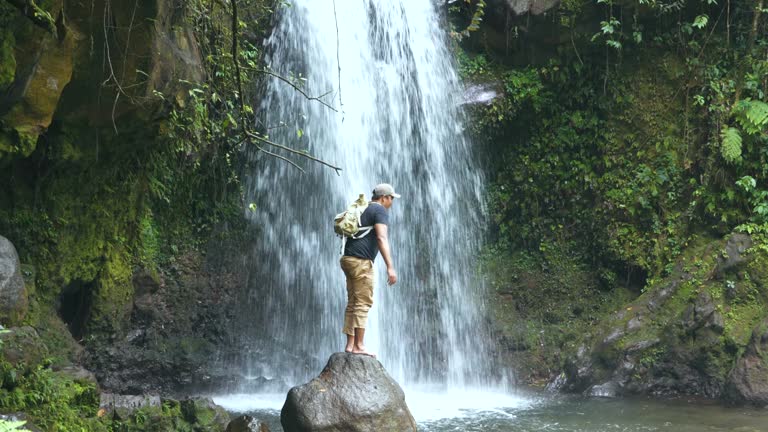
(13, 295)
(748, 381)
(353, 394)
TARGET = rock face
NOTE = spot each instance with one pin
(353, 393)
(748, 381)
(55, 73)
(13, 295)
(681, 336)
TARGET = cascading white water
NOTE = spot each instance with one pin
(390, 74)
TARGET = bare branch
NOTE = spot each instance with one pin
(278, 156)
(297, 152)
(338, 58)
(299, 89)
(248, 135)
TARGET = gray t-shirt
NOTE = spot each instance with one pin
(367, 247)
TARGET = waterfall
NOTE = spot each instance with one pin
(387, 69)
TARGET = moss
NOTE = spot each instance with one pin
(7, 58)
(52, 401)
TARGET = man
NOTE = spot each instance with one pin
(357, 264)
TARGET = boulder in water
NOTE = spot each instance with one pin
(748, 381)
(353, 394)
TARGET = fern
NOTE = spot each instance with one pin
(752, 116)
(731, 145)
(12, 426)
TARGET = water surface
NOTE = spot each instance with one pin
(495, 412)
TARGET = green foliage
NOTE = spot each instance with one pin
(52, 401)
(731, 146)
(758, 198)
(475, 19)
(10, 426)
(752, 115)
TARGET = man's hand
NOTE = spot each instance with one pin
(391, 276)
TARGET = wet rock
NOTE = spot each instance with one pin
(557, 383)
(13, 295)
(748, 381)
(353, 393)
(607, 390)
(246, 423)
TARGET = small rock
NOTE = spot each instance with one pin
(79, 374)
(635, 323)
(246, 423)
(615, 335)
(737, 244)
(607, 390)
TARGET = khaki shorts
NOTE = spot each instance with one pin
(359, 273)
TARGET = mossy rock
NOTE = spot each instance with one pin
(204, 414)
(22, 347)
(7, 58)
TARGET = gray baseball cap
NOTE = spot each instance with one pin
(385, 189)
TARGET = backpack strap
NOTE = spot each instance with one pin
(364, 230)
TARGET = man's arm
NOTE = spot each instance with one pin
(383, 241)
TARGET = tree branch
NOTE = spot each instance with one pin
(296, 152)
(247, 134)
(298, 89)
(37, 15)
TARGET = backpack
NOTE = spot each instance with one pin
(347, 223)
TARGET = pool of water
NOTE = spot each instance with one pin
(496, 412)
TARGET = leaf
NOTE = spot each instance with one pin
(701, 21)
(757, 114)
(299, 133)
(747, 183)
(731, 145)
(614, 44)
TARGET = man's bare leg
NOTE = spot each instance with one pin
(359, 348)
(350, 344)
